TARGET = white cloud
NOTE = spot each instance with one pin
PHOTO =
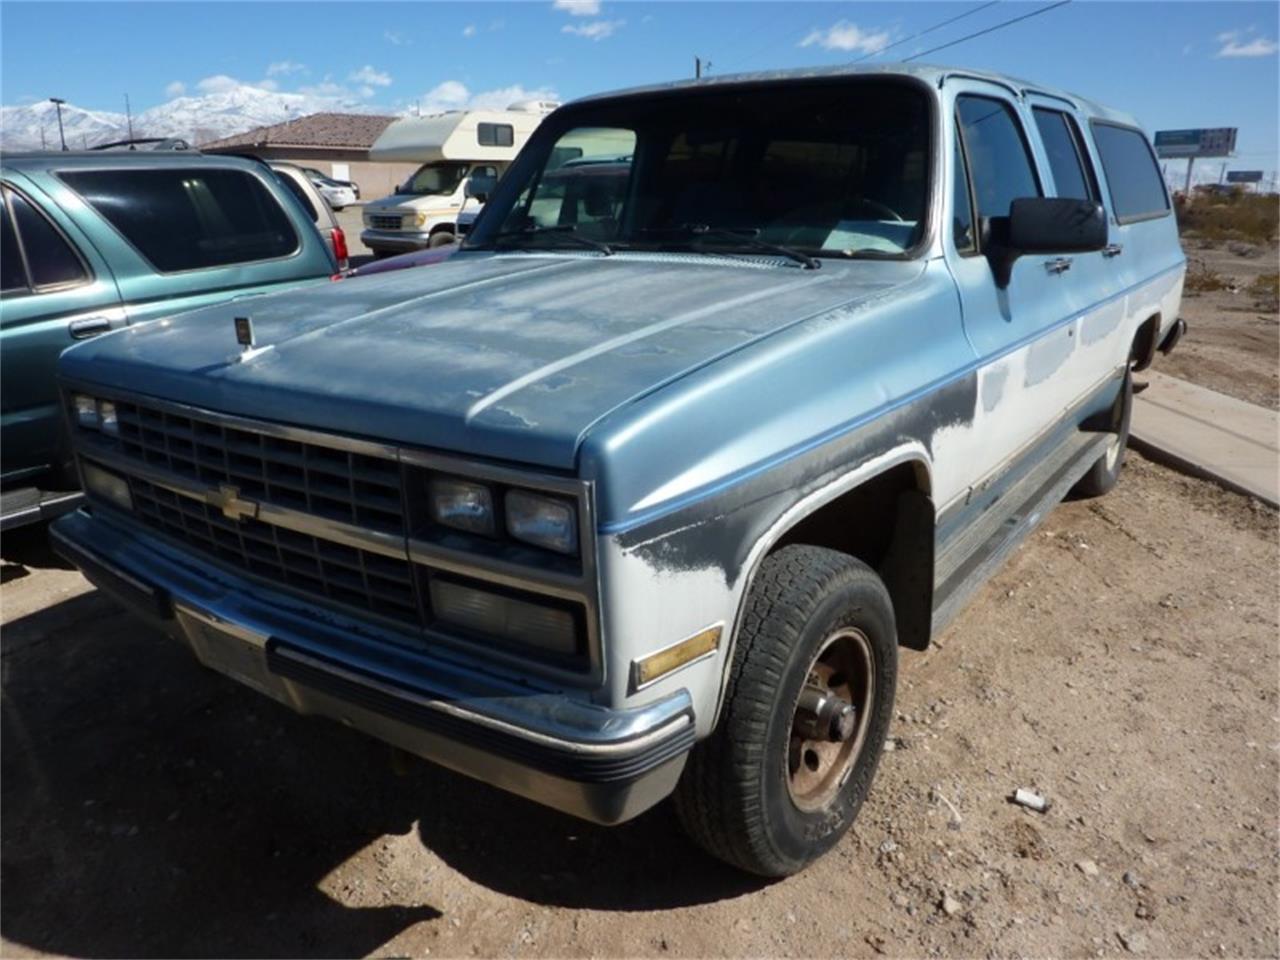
(175, 89)
(1240, 43)
(455, 95)
(848, 37)
(578, 8)
(282, 68)
(595, 30)
(396, 38)
(370, 77)
(469, 30)
(325, 88)
(218, 83)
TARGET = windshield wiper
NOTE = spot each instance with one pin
(746, 237)
(568, 231)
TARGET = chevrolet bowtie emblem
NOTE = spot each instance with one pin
(227, 499)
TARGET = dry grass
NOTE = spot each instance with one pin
(1202, 278)
(1236, 216)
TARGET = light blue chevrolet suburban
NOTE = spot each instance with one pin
(641, 492)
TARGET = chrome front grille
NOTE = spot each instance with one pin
(339, 485)
(382, 221)
(348, 575)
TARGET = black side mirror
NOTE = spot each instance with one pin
(1043, 225)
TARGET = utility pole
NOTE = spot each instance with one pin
(698, 67)
(58, 102)
(128, 115)
(1222, 174)
(43, 144)
(1186, 190)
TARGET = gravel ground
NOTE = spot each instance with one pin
(1233, 337)
(1124, 663)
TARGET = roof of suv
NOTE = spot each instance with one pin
(931, 74)
(98, 159)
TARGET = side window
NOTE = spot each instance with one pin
(999, 163)
(962, 202)
(189, 218)
(1133, 179)
(495, 134)
(1067, 159)
(13, 275)
(50, 258)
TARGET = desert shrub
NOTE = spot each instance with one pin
(1235, 216)
(1265, 291)
(1202, 278)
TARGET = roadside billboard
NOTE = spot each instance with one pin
(1201, 142)
(1244, 176)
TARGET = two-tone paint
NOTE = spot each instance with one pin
(710, 404)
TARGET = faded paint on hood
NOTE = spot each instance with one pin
(509, 356)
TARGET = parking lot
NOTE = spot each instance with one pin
(1123, 663)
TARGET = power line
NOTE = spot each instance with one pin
(936, 26)
(991, 29)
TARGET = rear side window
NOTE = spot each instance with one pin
(13, 276)
(496, 134)
(189, 219)
(1133, 179)
(50, 259)
(999, 163)
(1067, 160)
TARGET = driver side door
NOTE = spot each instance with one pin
(1022, 332)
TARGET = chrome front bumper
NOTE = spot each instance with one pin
(593, 762)
(398, 240)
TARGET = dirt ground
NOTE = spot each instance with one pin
(1124, 663)
(1233, 338)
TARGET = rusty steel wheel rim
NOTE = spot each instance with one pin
(819, 764)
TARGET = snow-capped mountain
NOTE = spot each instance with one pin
(34, 125)
(195, 119)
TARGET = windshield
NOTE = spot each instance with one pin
(435, 178)
(831, 169)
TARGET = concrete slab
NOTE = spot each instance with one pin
(1209, 434)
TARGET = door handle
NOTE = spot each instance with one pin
(1058, 265)
(1112, 250)
(87, 327)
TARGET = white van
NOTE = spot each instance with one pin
(453, 146)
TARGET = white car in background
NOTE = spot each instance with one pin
(336, 196)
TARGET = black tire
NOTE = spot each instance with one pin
(736, 799)
(1105, 472)
(441, 238)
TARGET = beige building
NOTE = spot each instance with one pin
(336, 144)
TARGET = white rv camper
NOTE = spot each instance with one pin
(451, 147)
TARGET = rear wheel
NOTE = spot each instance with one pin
(1105, 472)
(806, 712)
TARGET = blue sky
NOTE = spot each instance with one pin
(1172, 64)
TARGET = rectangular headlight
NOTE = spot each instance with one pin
(110, 486)
(462, 505)
(543, 521)
(107, 419)
(499, 615)
(86, 411)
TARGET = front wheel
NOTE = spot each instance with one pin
(805, 717)
(441, 239)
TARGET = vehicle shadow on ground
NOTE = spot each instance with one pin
(152, 808)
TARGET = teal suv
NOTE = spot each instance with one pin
(96, 241)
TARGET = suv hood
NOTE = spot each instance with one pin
(509, 356)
